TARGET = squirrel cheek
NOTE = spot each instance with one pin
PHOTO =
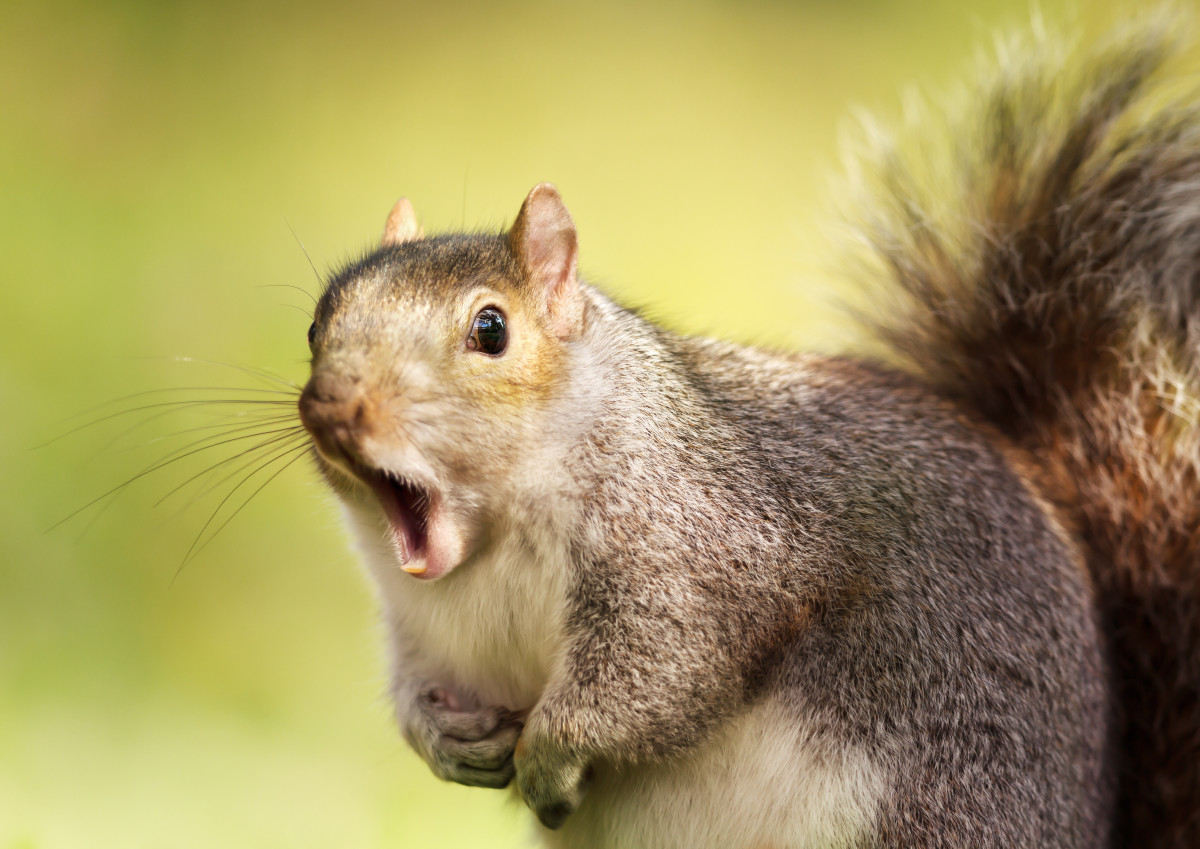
(445, 548)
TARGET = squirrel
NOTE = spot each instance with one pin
(686, 593)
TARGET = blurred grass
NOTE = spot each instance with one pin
(155, 159)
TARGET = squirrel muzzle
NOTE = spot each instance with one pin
(343, 418)
(339, 414)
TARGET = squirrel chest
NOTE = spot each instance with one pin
(491, 628)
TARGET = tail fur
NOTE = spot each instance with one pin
(1054, 291)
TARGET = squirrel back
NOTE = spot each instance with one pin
(1055, 294)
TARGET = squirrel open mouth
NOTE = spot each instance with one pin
(407, 507)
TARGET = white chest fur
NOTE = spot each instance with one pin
(762, 782)
(490, 629)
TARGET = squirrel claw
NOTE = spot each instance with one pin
(553, 816)
(552, 783)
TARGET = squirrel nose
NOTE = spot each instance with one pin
(339, 414)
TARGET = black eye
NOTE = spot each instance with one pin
(312, 334)
(488, 335)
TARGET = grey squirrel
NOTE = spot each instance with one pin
(684, 593)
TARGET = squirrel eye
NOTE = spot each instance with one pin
(488, 334)
(312, 334)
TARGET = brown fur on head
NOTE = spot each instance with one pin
(403, 403)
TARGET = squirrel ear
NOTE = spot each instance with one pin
(544, 241)
(401, 225)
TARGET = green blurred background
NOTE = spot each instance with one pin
(155, 161)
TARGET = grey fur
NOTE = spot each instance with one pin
(892, 562)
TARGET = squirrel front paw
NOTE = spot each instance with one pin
(551, 781)
(472, 747)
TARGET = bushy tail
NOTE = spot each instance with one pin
(1051, 276)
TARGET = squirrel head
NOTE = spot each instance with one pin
(434, 361)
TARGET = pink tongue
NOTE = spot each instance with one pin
(401, 519)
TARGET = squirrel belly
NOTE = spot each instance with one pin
(765, 779)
